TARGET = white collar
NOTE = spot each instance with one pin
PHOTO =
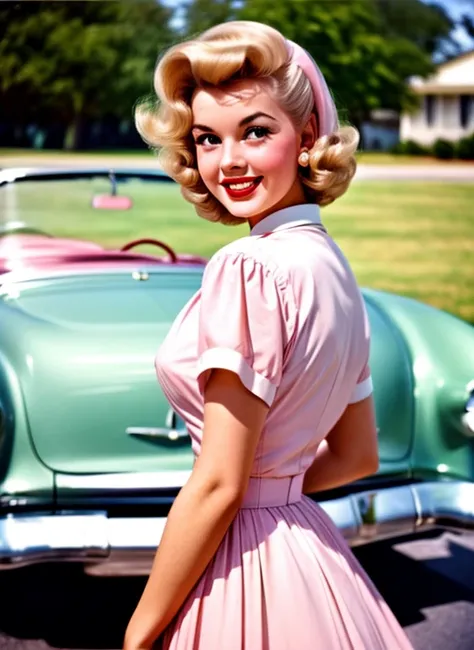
(296, 215)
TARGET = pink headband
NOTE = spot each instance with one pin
(324, 103)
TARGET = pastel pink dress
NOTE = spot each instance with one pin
(280, 308)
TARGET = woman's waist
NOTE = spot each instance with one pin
(271, 491)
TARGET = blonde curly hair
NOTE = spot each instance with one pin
(221, 55)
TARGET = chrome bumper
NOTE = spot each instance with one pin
(125, 546)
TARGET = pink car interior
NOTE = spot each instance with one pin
(30, 252)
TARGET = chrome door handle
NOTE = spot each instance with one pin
(158, 432)
(168, 432)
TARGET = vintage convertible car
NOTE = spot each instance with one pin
(91, 456)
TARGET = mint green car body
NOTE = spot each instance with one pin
(78, 390)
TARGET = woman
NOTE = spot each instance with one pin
(267, 364)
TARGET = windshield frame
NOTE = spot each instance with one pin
(13, 175)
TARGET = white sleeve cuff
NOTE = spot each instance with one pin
(228, 359)
(362, 390)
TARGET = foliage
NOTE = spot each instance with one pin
(464, 149)
(65, 61)
(411, 148)
(365, 58)
(75, 59)
(366, 48)
(200, 15)
(467, 23)
(428, 26)
(443, 149)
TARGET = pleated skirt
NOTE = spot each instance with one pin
(284, 578)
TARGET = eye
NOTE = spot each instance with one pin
(207, 139)
(257, 133)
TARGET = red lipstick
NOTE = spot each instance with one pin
(239, 188)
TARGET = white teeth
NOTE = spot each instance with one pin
(240, 186)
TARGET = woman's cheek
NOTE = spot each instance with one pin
(207, 169)
(280, 157)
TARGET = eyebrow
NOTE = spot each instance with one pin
(246, 120)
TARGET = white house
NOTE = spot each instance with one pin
(447, 103)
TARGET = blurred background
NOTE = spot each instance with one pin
(401, 71)
(72, 71)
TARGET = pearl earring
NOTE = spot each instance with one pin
(303, 158)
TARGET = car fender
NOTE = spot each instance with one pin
(24, 480)
(441, 347)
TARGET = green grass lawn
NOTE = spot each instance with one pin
(385, 158)
(33, 157)
(415, 239)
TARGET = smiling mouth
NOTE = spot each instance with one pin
(242, 188)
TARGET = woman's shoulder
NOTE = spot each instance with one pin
(244, 247)
(249, 252)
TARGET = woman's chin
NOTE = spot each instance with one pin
(245, 209)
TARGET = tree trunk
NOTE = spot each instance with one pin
(73, 136)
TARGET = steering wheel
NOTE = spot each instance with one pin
(153, 242)
(20, 228)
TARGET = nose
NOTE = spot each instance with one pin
(232, 158)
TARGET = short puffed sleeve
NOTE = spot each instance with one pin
(364, 386)
(245, 323)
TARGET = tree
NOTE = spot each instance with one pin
(428, 26)
(79, 59)
(364, 66)
(463, 14)
(467, 23)
(365, 48)
(199, 15)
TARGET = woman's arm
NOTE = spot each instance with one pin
(204, 508)
(349, 451)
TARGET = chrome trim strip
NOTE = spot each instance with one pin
(122, 481)
(446, 502)
(126, 545)
(28, 539)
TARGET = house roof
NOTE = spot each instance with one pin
(452, 77)
(455, 59)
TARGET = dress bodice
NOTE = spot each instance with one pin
(281, 308)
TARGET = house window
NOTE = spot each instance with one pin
(430, 106)
(466, 106)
